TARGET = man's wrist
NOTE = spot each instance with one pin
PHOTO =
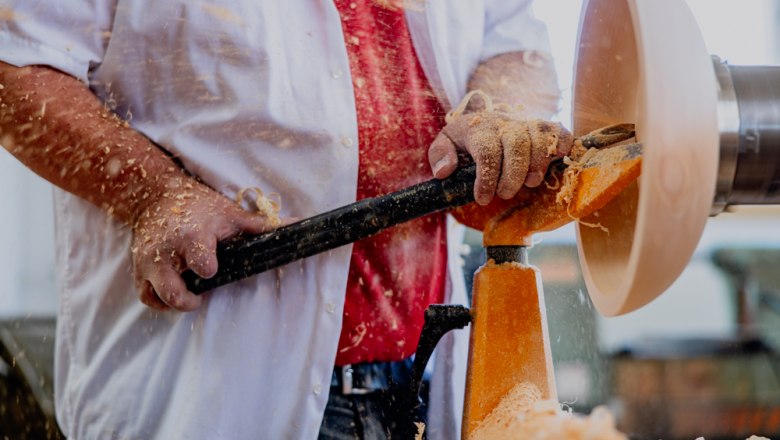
(523, 82)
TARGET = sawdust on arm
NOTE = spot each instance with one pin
(524, 82)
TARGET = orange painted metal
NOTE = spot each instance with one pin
(509, 342)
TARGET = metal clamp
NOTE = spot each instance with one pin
(729, 126)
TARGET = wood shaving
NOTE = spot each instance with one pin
(461, 107)
(575, 163)
(420, 430)
(591, 225)
(361, 331)
(556, 184)
(265, 206)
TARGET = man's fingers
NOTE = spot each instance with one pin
(171, 289)
(148, 297)
(200, 254)
(516, 143)
(544, 146)
(442, 156)
(250, 223)
(508, 153)
(565, 142)
(484, 145)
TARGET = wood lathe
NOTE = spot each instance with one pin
(710, 136)
(506, 348)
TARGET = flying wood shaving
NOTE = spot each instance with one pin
(361, 331)
(265, 206)
(591, 225)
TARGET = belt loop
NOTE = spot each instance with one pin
(346, 379)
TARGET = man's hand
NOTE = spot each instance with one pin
(55, 125)
(508, 152)
(510, 149)
(180, 230)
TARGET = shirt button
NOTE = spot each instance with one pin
(347, 141)
(337, 73)
(317, 389)
(330, 307)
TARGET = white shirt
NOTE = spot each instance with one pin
(246, 93)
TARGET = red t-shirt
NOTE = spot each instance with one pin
(394, 275)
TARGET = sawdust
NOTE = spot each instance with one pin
(395, 5)
(489, 105)
(522, 414)
(222, 13)
(752, 437)
(8, 14)
(545, 133)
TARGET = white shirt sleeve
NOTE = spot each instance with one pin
(511, 26)
(69, 35)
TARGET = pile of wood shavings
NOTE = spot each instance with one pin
(752, 437)
(523, 415)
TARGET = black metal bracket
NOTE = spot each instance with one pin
(439, 320)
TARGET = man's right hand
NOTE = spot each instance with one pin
(176, 220)
(179, 230)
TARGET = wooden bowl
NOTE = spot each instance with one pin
(644, 61)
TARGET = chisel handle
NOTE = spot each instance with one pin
(245, 256)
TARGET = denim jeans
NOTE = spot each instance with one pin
(383, 414)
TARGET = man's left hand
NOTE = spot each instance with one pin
(508, 152)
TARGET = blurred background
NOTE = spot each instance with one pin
(699, 361)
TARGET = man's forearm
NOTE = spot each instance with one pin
(524, 80)
(55, 126)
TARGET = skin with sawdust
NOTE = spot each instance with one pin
(55, 126)
(513, 145)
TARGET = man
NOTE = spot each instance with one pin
(316, 101)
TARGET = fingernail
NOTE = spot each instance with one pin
(504, 193)
(482, 199)
(534, 179)
(439, 165)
